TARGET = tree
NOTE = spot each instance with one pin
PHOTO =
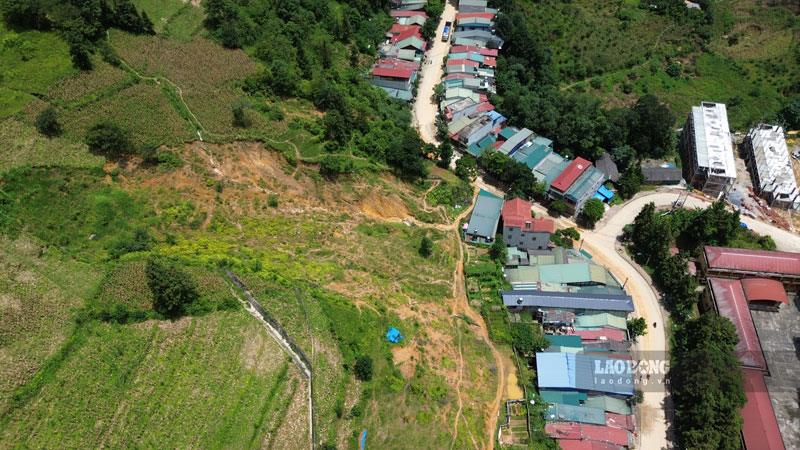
(426, 247)
(679, 286)
(592, 212)
(650, 235)
(526, 340)
(637, 326)
(363, 368)
(565, 237)
(466, 168)
(715, 225)
(428, 30)
(790, 114)
(173, 288)
(434, 10)
(556, 207)
(47, 122)
(630, 182)
(651, 132)
(623, 156)
(445, 155)
(498, 251)
(108, 138)
(147, 24)
(334, 166)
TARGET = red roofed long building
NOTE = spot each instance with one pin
(730, 301)
(723, 262)
(760, 429)
(521, 230)
(570, 174)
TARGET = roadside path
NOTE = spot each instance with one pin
(424, 111)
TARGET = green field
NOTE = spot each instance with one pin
(619, 51)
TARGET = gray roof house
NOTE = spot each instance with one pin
(517, 300)
(482, 225)
(606, 165)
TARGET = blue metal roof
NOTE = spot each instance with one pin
(605, 192)
(582, 372)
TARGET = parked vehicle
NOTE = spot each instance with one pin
(446, 34)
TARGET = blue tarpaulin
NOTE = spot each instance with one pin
(393, 335)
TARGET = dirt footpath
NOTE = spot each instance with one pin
(424, 111)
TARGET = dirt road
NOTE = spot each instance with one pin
(424, 111)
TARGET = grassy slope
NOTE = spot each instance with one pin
(623, 45)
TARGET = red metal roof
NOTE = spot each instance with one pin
(753, 260)
(763, 289)
(392, 73)
(462, 62)
(577, 431)
(570, 174)
(468, 15)
(405, 35)
(586, 445)
(397, 28)
(485, 51)
(394, 63)
(485, 106)
(612, 334)
(731, 303)
(517, 213)
(760, 429)
(621, 421)
(407, 13)
(463, 48)
(489, 61)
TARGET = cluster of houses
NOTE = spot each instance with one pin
(401, 54)
(706, 148)
(738, 281)
(583, 310)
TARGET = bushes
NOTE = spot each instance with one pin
(363, 368)
(47, 122)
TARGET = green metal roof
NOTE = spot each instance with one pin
(610, 404)
(408, 55)
(571, 413)
(508, 132)
(564, 340)
(600, 320)
(486, 214)
(478, 147)
(563, 397)
(531, 155)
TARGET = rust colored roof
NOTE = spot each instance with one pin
(760, 429)
(621, 421)
(397, 28)
(753, 260)
(731, 303)
(489, 61)
(570, 174)
(468, 15)
(392, 73)
(408, 13)
(763, 289)
(407, 34)
(485, 106)
(586, 445)
(462, 62)
(485, 51)
(517, 213)
(463, 48)
(612, 334)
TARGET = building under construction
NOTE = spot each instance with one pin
(769, 163)
(707, 149)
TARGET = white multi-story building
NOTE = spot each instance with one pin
(769, 163)
(707, 149)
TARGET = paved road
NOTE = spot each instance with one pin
(424, 111)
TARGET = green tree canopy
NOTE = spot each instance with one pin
(499, 251)
(466, 168)
(47, 122)
(173, 288)
(637, 326)
(592, 212)
(630, 182)
(363, 368)
(426, 247)
(108, 138)
(651, 132)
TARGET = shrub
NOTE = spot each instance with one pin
(140, 242)
(47, 122)
(425, 247)
(363, 368)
